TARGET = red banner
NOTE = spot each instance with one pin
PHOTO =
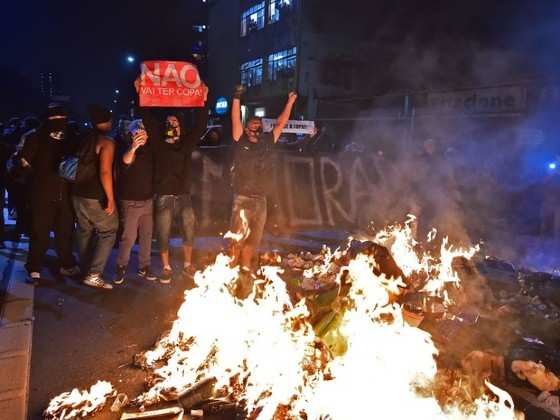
(170, 84)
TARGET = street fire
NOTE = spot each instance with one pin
(270, 356)
(77, 404)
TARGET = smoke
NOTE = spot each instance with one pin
(488, 176)
(473, 179)
(416, 176)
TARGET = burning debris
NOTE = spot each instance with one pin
(121, 401)
(327, 346)
(321, 333)
(78, 404)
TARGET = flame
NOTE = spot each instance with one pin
(386, 361)
(264, 353)
(243, 232)
(444, 273)
(78, 404)
(228, 338)
(438, 271)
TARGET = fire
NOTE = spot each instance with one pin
(244, 230)
(385, 363)
(77, 404)
(264, 353)
(228, 338)
(437, 270)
